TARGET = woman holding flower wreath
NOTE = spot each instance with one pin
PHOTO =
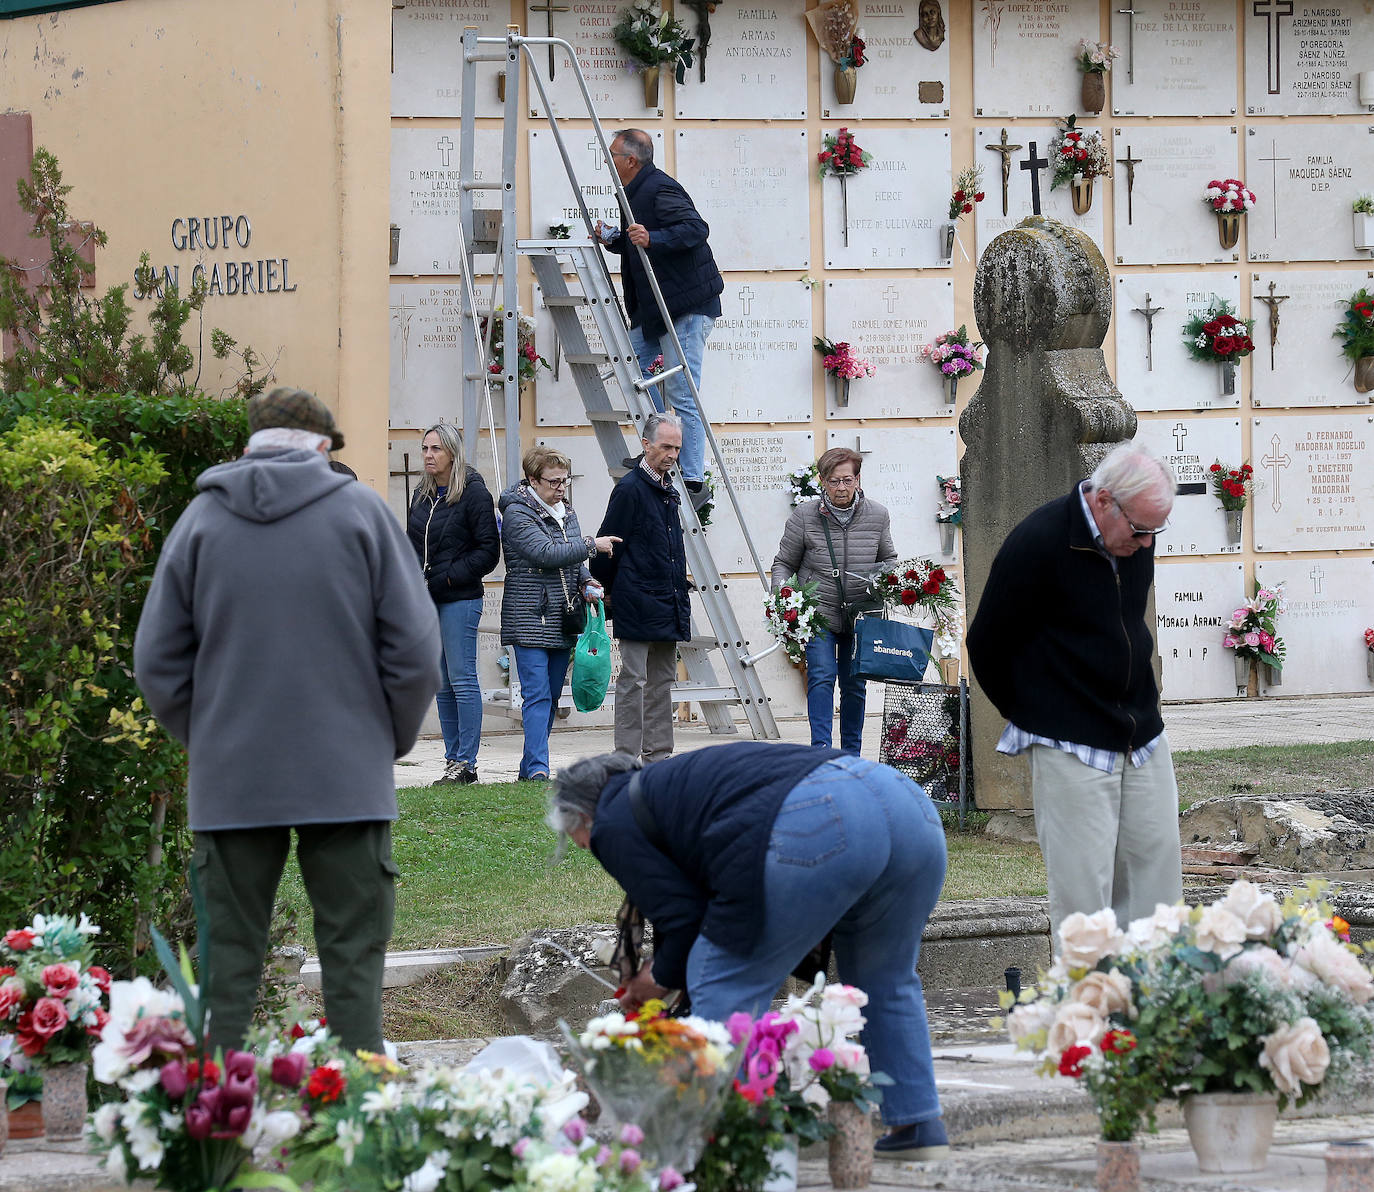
(834, 541)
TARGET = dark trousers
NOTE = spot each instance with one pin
(350, 879)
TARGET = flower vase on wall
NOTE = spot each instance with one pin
(1226, 377)
(1082, 192)
(1230, 1132)
(846, 83)
(1364, 374)
(1364, 231)
(1242, 674)
(947, 230)
(651, 87)
(1228, 228)
(1369, 664)
(947, 539)
(842, 392)
(950, 383)
(1234, 520)
(1094, 92)
(1273, 676)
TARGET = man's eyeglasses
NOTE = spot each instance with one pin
(554, 481)
(1136, 531)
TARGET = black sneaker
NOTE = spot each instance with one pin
(919, 1141)
(465, 775)
(451, 773)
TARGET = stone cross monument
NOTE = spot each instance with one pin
(1046, 412)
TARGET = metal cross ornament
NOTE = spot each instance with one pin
(1272, 301)
(1006, 150)
(548, 9)
(1130, 163)
(1149, 312)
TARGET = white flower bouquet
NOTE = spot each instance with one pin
(793, 615)
(823, 1057)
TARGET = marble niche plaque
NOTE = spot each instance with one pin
(1305, 184)
(1303, 59)
(1314, 482)
(1197, 525)
(1153, 368)
(906, 73)
(556, 400)
(1327, 605)
(424, 196)
(427, 55)
(758, 463)
(896, 205)
(1297, 362)
(1024, 55)
(988, 217)
(1180, 60)
(552, 200)
(756, 63)
(751, 185)
(1160, 217)
(617, 90)
(888, 322)
(427, 356)
(758, 357)
(1193, 603)
(900, 466)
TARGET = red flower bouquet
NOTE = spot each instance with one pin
(1231, 485)
(52, 997)
(1217, 336)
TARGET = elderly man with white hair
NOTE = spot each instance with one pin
(1062, 647)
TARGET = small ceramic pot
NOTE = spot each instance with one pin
(1230, 1132)
(64, 1101)
(4, 1117)
(1364, 231)
(1349, 1167)
(1228, 228)
(1094, 94)
(783, 1177)
(851, 1146)
(651, 86)
(26, 1121)
(1118, 1166)
(949, 671)
(846, 83)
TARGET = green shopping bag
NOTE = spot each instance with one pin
(591, 668)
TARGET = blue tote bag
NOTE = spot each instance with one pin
(890, 651)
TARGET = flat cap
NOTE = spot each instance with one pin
(295, 409)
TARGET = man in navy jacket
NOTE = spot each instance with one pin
(1061, 646)
(666, 225)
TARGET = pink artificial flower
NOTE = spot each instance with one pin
(101, 977)
(60, 979)
(174, 1079)
(12, 994)
(520, 1147)
(821, 1059)
(289, 1070)
(1266, 642)
(604, 1155)
(630, 1161)
(739, 1024)
(575, 1129)
(20, 940)
(1252, 638)
(1230, 642)
(165, 1036)
(669, 1178)
(631, 1135)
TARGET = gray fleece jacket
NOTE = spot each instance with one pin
(289, 642)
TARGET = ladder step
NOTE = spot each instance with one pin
(618, 417)
(565, 300)
(586, 357)
(703, 693)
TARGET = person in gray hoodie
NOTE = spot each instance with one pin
(289, 643)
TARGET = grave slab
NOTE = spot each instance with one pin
(1296, 361)
(756, 63)
(900, 466)
(427, 56)
(617, 91)
(424, 196)
(759, 358)
(1023, 56)
(1314, 482)
(1330, 603)
(1193, 601)
(1305, 57)
(1178, 60)
(906, 75)
(1189, 446)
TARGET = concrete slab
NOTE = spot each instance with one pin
(406, 968)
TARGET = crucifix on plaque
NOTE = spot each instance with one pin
(1271, 10)
(1130, 163)
(1006, 150)
(1035, 164)
(1272, 301)
(1130, 15)
(1149, 312)
(548, 8)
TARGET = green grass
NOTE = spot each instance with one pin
(1274, 769)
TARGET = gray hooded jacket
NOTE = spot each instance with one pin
(289, 642)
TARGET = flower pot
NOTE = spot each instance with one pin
(947, 230)
(64, 1101)
(1094, 91)
(1226, 377)
(950, 383)
(1349, 1167)
(1234, 519)
(26, 1121)
(1273, 676)
(1364, 230)
(851, 1146)
(1082, 192)
(784, 1167)
(651, 86)
(1364, 374)
(1242, 671)
(949, 671)
(1228, 227)
(1118, 1166)
(846, 81)
(947, 539)
(1230, 1132)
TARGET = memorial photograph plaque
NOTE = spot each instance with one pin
(1328, 605)
(896, 204)
(758, 463)
(616, 89)
(1296, 361)
(759, 357)
(1178, 58)
(1160, 216)
(1193, 603)
(1153, 368)
(1314, 482)
(1190, 446)
(427, 55)
(887, 322)
(1016, 162)
(424, 196)
(556, 401)
(1024, 55)
(904, 75)
(751, 186)
(756, 64)
(552, 200)
(1304, 59)
(1305, 184)
(900, 466)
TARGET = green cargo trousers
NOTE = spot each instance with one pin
(350, 879)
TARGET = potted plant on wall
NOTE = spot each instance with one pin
(652, 38)
(1356, 334)
(1251, 633)
(1095, 60)
(1232, 487)
(1229, 199)
(1217, 337)
(1078, 157)
(950, 511)
(1369, 653)
(1363, 213)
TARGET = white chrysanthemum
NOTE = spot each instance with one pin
(105, 1120)
(349, 1134)
(383, 1100)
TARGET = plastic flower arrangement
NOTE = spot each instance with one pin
(577, 1163)
(1231, 485)
(527, 359)
(1096, 57)
(951, 507)
(1228, 195)
(840, 361)
(822, 1058)
(918, 585)
(953, 354)
(967, 191)
(651, 37)
(1369, 640)
(52, 998)
(1356, 331)
(1250, 632)
(1075, 153)
(1216, 336)
(792, 615)
(1244, 994)
(841, 155)
(804, 484)
(836, 26)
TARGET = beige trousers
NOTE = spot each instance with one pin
(644, 700)
(1108, 839)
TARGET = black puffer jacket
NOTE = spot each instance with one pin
(456, 544)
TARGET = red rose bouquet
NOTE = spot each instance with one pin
(1227, 195)
(841, 155)
(1231, 485)
(52, 997)
(1217, 336)
(968, 190)
(1075, 153)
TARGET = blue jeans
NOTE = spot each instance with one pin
(460, 695)
(856, 847)
(541, 683)
(692, 331)
(827, 658)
